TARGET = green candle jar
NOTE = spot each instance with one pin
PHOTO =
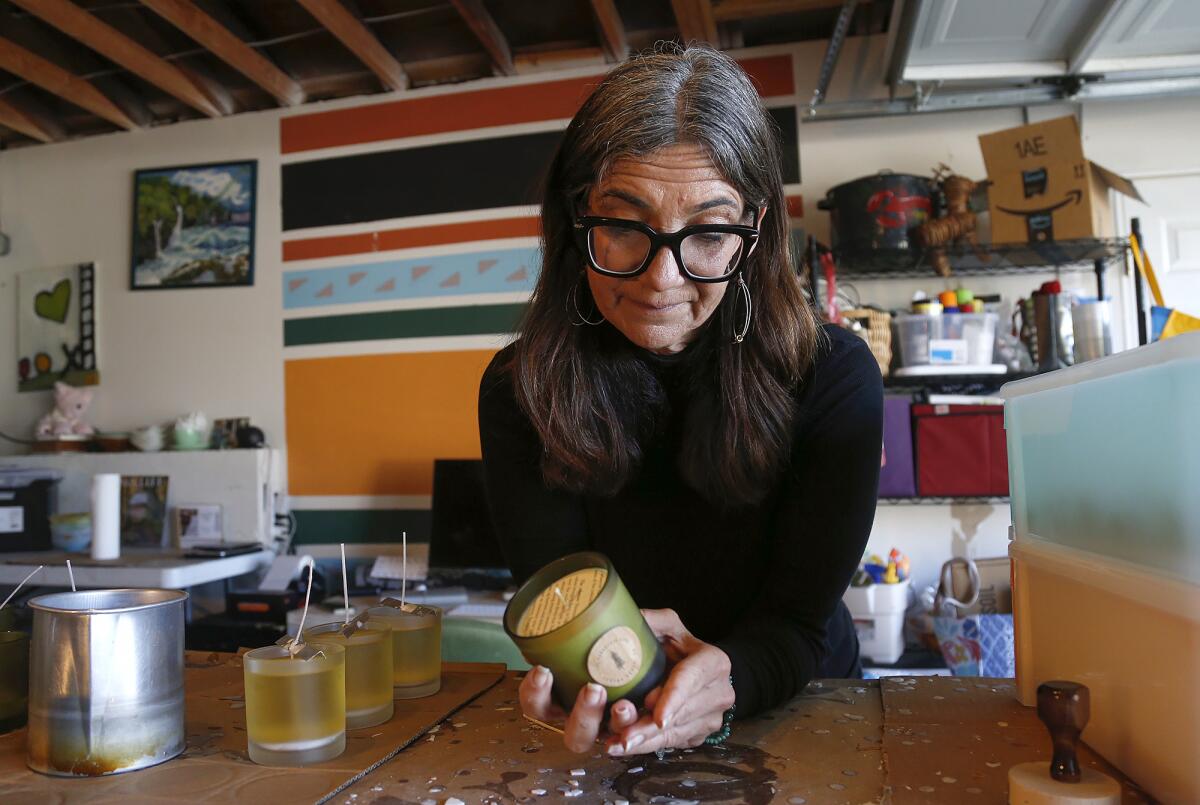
(14, 680)
(575, 617)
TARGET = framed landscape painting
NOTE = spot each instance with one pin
(193, 226)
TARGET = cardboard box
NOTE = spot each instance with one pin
(1043, 188)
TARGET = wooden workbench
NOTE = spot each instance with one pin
(910, 740)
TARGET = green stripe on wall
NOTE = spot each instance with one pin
(423, 323)
(359, 526)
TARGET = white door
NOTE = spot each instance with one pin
(1170, 222)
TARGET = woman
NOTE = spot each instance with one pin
(673, 404)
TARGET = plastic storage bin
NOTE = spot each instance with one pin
(878, 613)
(896, 476)
(1104, 460)
(913, 334)
(978, 330)
(960, 450)
(1105, 456)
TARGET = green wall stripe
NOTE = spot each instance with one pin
(423, 323)
(358, 526)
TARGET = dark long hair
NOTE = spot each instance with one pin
(590, 397)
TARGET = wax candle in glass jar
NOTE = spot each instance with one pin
(575, 617)
(416, 645)
(368, 668)
(295, 704)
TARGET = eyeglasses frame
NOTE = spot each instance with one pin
(672, 240)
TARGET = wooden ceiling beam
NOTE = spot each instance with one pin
(27, 123)
(612, 30)
(66, 85)
(488, 33)
(117, 47)
(226, 46)
(732, 10)
(358, 39)
(696, 22)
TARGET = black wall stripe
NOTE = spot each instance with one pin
(454, 177)
(474, 175)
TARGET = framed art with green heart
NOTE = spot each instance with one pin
(56, 327)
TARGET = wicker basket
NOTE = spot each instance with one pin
(877, 330)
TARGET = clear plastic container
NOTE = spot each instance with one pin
(1105, 456)
(913, 334)
(977, 329)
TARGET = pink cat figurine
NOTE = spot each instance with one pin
(70, 404)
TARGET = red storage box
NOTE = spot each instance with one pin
(960, 450)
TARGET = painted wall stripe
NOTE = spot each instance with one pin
(372, 425)
(473, 109)
(450, 275)
(385, 240)
(479, 108)
(395, 346)
(361, 527)
(428, 322)
(435, 179)
(357, 502)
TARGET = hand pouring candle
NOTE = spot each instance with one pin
(575, 617)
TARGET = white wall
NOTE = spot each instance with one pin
(160, 353)
(164, 353)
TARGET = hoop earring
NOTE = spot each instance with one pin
(742, 290)
(579, 319)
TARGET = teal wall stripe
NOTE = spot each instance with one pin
(423, 323)
(358, 526)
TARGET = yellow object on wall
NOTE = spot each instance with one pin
(372, 424)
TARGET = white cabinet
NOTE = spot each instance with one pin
(243, 482)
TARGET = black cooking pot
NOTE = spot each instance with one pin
(878, 212)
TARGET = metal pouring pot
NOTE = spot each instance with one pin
(106, 681)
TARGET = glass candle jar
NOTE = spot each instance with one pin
(295, 706)
(14, 680)
(575, 617)
(368, 669)
(416, 646)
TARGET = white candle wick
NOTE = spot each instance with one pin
(71, 575)
(345, 584)
(295, 645)
(403, 566)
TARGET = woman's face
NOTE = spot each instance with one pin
(661, 309)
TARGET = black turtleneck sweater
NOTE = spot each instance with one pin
(764, 583)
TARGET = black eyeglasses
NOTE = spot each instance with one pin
(616, 247)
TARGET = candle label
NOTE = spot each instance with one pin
(615, 657)
(562, 602)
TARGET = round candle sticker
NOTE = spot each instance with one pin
(615, 657)
(562, 602)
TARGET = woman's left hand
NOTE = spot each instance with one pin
(691, 704)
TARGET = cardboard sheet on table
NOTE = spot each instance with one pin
(953, 739)
(824, 746)
(215, 767)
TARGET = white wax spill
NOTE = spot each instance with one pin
(837, 786)
(949, 780)
(578, 772)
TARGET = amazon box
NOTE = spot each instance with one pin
(1042, 186)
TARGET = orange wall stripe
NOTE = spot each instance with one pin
(410, 238)
(771, 74)
(373, 424)
(459, 111)
(454, 111)
(795, 206)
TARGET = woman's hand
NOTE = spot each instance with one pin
(682, 712)
(690, 705)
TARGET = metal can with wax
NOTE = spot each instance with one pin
(575, 617)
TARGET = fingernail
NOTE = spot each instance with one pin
(541, 675)
(662, 725)
(625, 710)
(595, 694)
(633, 741)
(616, 749)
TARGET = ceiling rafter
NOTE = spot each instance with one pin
(732, 10)
(226, 46)
(488, 33)
(63, 83)
(27, 122)
(695, 19)
(359, 40)
(117, 47)
(612, 30)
